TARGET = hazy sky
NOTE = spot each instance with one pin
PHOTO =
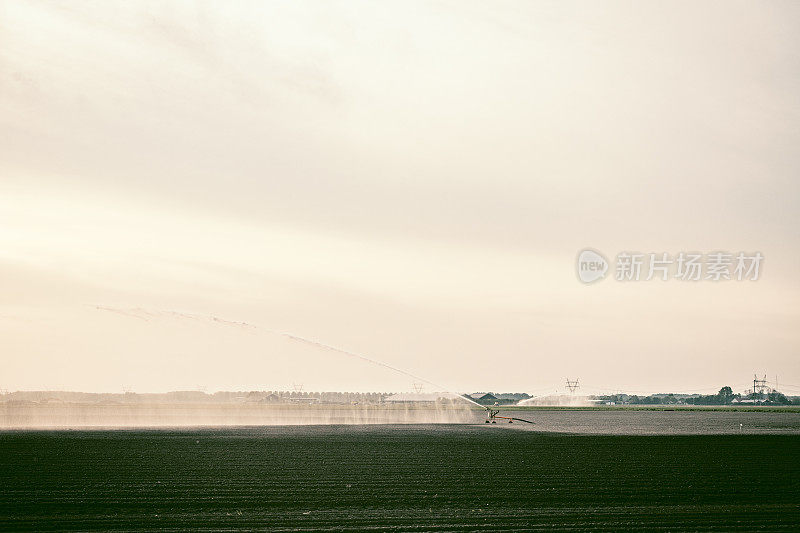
(408, 180)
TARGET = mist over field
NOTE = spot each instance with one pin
(194, 415)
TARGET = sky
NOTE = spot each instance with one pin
(182, 182)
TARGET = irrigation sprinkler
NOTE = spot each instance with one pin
(492, 415)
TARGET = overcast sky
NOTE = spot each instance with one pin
(411, 181)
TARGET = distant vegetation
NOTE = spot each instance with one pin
(489, 398)
(725, 396)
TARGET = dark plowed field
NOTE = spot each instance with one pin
(423, 478)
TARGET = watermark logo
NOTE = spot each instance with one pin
(683, 266)
(592, 266)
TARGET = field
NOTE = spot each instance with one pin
(662, 407)
(404, 477)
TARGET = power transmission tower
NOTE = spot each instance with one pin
(418, 387)
(298, 387)
(760, 387)
(572, 385)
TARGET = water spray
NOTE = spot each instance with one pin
(367, 359)
(492, 414)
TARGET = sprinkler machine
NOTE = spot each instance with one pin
(492, 415)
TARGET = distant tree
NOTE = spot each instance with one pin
(778, 398)
(725, 394)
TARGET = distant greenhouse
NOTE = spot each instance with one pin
(418, 397)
